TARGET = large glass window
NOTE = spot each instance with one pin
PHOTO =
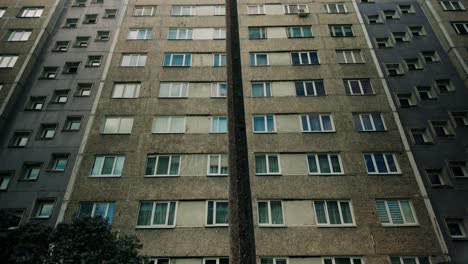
(157, 214)
(270, 213)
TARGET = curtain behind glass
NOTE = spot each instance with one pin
(222, 213)
(262, 212)
(346, 212)
(260, 164)
(144, 216)
(160, 214)
(407, 212)
(163, 165)
(333, 212)
(273, 164)
(276, 212)
(320, 212)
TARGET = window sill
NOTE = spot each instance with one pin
(459, 238)
(160, 97)
(162, 176)
(89, 66)
(167, 133)
(217, 175)
(105, 176)
(42, 78)
(371, 131)
(273, 132)
(268, 174)
(32, 110)
(325, 132)
(325, 174)
(55, 171)
(114, 134)
(401, 225)
(70, 130)
(154, 227)
(40, 217)
(272, 226)
(214, 226)
(385, 174)
(337, 226)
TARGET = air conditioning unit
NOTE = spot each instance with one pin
(302, 12)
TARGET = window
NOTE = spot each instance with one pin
(454, 5)
(20, 139)
(31, 171)
(261, 89)
(395, 212)
(183, 11)
(390, 14)
(94, 61)
(8, 61)
(442, 128)
(5, 179)
(133, 60)
(160, 261)
(435, 177)
(180, 33)
(169, 124)
(218, 90)
(36, 103)
(44, 208)
(71, 23)
(173, 90)
(218, 124)
(426, 92)
(90, 19)
(421, 136)
(255, 10)
(144, 10)
(84, 89)
(369, 122)
(406, 100)
(317, 123)
(270, 213)
(14, 218)
(458, 169)
(324, 164)
(157, 214)
(341, 31)
(460, 118)
(430, 56)
(177, 60)
(216, 261)
(105, 210)
(73, 123)
(60, 96)
(309, 88)
(217, 213)
(344, 260)
(71, 67)
(61, 46)
(267, 260)
(400, 37)
(417, 31)
(219, 10)
(19, 35)
(384, 42)
(259, 59)
(460, 27)
(49, 73)
(162, 165)
(58, 162)
(110, 13)
(358, 87)
(218, 165)
(333, 213)
(264, 124)
(31, 12)
(349, 56)
(445, 86)
(257, 32)
(456, 227)
(394, 69)
(294, 9)
(375, 19)
(267, 164)
(406, 9)
(139, 34)
(219, 33)
(299, 32)
(117, 125)
(79, 3)
(304, 58)
(219, 60)
(126, 90)
(103, 36)
(81, 42)
(335, 8)
(108, 166)
(2, 11)
(47, 131)
(381, 163)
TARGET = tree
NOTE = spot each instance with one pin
(84, 240)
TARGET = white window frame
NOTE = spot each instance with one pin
(169, 130)
(255, 54)
(270, 220)
(5, 180)
(371, 117)
(353, 56)
(342, 29)
(219, 158)
(93, 211)
(40, 205)
(216, 90)
(171, 86)
(126, 89)
(183, 9)
(134, 33)
(219, 33)
(119, 125)
(214, 212)
(405, 223)
(114, 164)
(266, 156)
(351, 258)
(287, 8)
(260, 10)
(156, 163)
(309, 58)
(181, 34)
(2, 11)
(320, 115)
(220, 59)
(461, 225)
(397, 166)
(31, 12)
(8, 61)
(19, 35)
(266, 87)
(361, 87)
(451, 6)
(214, 130)
(153, 211)
(329, 11)
(219, 10)
(171, 59)
(265, 121)
(143, 9)
(327, 217)
(139, 58)
(415, 259)
(317, 164)
(463, 24)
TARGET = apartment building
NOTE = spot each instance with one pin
(430, 98)
(41, 137)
